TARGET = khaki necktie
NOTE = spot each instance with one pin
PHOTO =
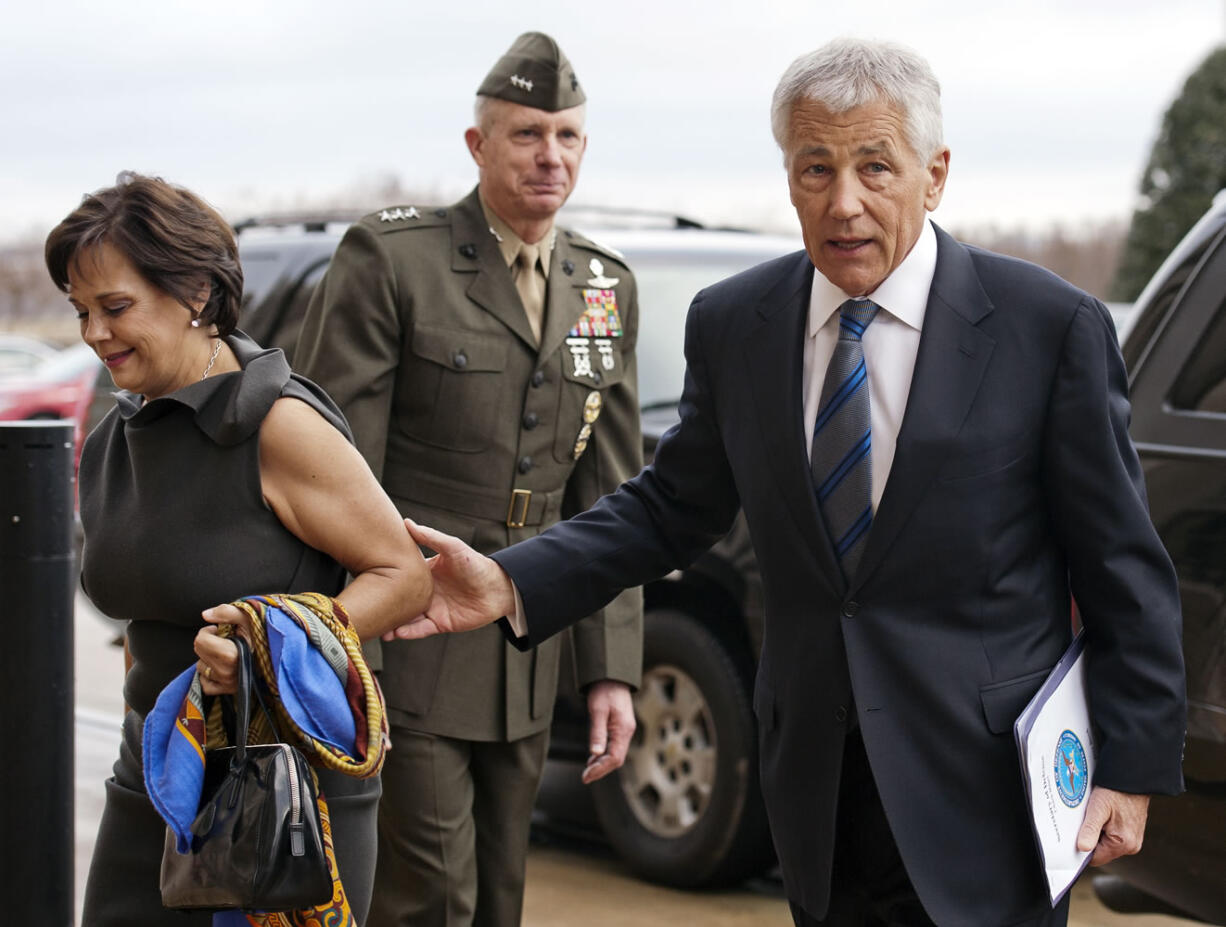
(530, 284)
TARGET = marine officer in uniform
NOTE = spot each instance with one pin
(485, 360)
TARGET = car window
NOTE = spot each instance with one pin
(261, 266)
(1201, 386)
(664, 299)
(293, 311)
(666, 284)
(1145, 324)
(1177, 380)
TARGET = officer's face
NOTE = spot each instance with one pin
(529, 159)
(860, 191)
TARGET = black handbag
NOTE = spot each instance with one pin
(257, 841)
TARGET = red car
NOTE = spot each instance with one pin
(60, 387)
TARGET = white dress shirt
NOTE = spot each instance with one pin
(890, 346)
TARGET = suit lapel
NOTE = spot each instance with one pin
(774, 357)
(953, 355)
(475, 251)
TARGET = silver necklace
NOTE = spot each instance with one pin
(212, 360)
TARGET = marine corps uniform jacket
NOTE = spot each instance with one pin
(419, 335)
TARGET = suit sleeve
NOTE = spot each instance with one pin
(660, 520)
(609, 643)
(350, 340)
(1119, 573)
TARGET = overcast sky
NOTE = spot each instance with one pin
(1050, 105)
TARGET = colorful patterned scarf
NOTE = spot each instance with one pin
(306, 655)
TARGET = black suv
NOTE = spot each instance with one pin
(685, 809)
(1175, 349)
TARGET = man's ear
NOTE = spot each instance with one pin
(938, 172)
(474, 138)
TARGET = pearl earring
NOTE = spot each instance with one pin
(195, 323)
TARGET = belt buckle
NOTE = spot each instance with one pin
(519, 500)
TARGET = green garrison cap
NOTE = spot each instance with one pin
(534, 72)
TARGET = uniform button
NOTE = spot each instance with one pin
(538, 378)
(460, 359)
(596, 377)
(850, 609)
(840, 713)
(531, 420)
(525, 464)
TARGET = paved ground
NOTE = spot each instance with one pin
(567, 885)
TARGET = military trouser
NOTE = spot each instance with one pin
(453, 830)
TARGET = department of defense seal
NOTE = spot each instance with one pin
(1070, 770)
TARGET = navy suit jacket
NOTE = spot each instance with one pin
(1014, 485)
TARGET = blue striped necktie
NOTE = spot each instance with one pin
(841, 454)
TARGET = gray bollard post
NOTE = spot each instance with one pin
(36, 669)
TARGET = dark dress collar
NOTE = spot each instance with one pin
(228, 407)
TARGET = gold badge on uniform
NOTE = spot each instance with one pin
(581, 442)
(601, 318)
(591, 407)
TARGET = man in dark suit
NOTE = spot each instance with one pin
(920, 546)
(484, 358)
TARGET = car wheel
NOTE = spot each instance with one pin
(686, 809)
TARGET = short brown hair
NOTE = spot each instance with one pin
(174, 239)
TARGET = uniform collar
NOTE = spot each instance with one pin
(509, 243)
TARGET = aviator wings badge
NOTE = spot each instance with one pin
(598, 279)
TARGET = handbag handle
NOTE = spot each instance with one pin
(242, 702)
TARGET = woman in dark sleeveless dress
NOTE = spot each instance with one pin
(219, 474)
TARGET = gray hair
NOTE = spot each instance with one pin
(484, 107)
(481, 112)
(846, 73)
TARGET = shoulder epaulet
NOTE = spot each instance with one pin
(585, 241)
(399, 218)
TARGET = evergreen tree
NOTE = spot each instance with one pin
(1187, 166)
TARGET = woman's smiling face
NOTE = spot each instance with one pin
(143, 335)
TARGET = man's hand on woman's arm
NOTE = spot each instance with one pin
(470, 590)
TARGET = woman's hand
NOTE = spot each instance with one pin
(218, 656)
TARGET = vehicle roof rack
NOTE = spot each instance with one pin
(627, 217)
(315, 220)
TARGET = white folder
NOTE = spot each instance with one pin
(1056, 748)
